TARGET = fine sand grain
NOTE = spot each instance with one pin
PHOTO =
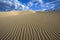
(26, 25)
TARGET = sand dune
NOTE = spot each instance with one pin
(27, 25)
(14, 13)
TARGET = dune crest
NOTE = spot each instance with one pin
(14, 13)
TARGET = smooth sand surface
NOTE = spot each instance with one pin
(27, 25)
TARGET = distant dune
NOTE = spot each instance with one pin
(30, 25)
(14, 13)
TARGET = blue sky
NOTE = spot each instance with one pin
(26, 1)
(40, 4)
(29, 5)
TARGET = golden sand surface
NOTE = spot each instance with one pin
(29, 25)
(14, 13)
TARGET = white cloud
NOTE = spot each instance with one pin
(41, 1)
(18, 5)
(30, 4)
(43, 9)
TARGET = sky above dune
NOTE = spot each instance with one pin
(29, 5)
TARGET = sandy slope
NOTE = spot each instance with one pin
(26, 25)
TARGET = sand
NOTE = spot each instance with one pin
(28, 25)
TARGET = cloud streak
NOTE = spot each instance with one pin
(32, 5)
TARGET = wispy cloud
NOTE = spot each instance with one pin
(16, 3)
(41, 1)
(36, 4)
